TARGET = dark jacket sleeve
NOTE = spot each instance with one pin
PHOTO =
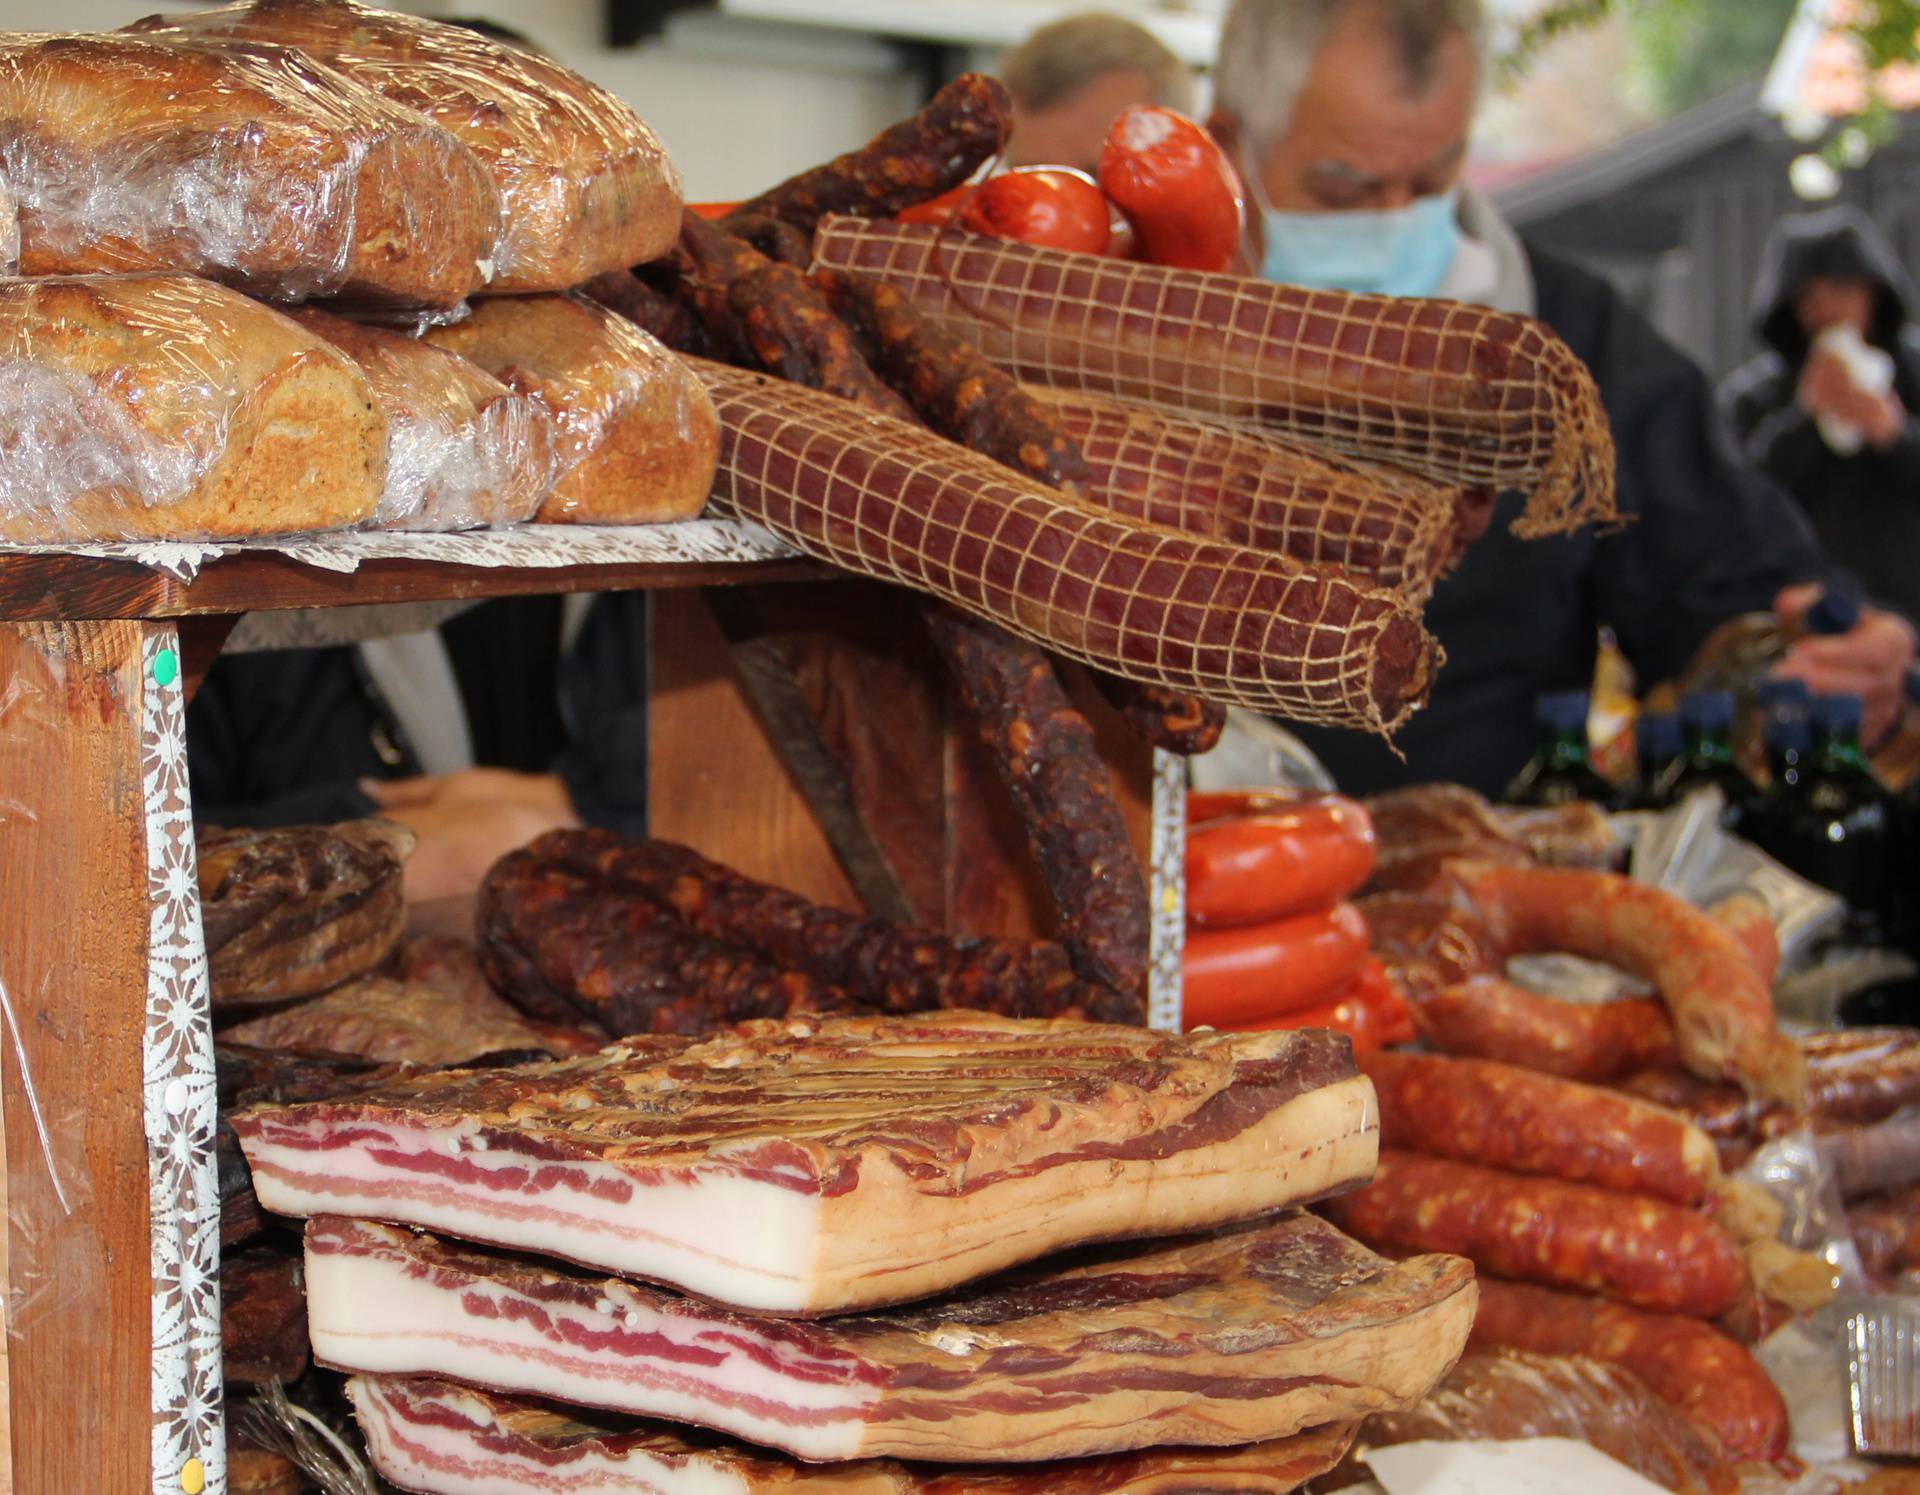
(1705, 536)
(603, 704)
(284, 737)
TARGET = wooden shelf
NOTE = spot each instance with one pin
(45, 586)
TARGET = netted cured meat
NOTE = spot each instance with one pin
(1459, 393)
(1251, 488)
(893, 501)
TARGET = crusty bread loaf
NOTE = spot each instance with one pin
(253, 165)
(463, 450)
(586, 185)
(636, 433)
(161, 406)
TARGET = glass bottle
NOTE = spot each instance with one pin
(1559, 771)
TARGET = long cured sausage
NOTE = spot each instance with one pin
(964, 124)
(1722, 1011)
(897, 502)
(1639, 1250)
(890, 966)
(1252, 488)
(1484, 1017)
(1046, 754)
(1502, 1117)
(1695, 1368)
(1461, 395)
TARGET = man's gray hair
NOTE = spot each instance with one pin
(1063, 57)
(1267, 47)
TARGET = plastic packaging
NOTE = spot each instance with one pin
(1869, 370)
(635, 436)
(584, 185)
(253, 164)
(161, 406)
(9, 231)
(1793, 1169)
(1510, 1394)
(463, 450)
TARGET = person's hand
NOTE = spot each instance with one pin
(467, 821)
(1827, 390)
(1870, 661)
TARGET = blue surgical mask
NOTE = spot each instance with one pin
(1392, 252)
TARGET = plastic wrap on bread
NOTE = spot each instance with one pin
(585, 185)
(463, 450)
(9, 231)
(161, 406)
(251, 164)
(635, 434)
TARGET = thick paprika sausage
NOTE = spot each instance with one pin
(1251, 868)
(1487, 1018)
(1639, 1250)
(1722, 1011)
(1261, 971)
(1501, 1117)
(1696, 1368)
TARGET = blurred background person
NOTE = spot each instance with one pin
(1350, 121)
(1072, 77)
(1827, 410)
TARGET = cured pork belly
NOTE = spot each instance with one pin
(810, 1166)
(433, 1436)
(1249, 1334)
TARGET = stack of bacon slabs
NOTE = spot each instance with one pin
(801, 1214)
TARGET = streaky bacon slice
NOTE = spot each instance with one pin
(814, 1165)
(1248, 1334)
(433, 1436)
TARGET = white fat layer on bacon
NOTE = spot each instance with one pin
(368, 1313)
(774, 1250)
(450, 1461)
(715, 1234)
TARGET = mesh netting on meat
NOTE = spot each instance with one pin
(894, 501)
(1248, 487)
(1458, 393)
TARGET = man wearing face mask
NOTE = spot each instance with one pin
(1350, 122)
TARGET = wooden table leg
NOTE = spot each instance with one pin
(106, 1079)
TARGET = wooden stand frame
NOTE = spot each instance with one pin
(109, 1256)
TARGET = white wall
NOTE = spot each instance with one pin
(740, 104)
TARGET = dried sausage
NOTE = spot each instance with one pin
(1501, 1117)
(1694, 1367)
(1639, 1250)
(1485, 1017)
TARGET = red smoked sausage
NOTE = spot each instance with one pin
(1640, 1250)
(1289, 860)
(1262, 971)
(1502, 1117)
(1696, 1368)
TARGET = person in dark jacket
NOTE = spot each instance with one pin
(513, 718)
(1831, 299)
(1350, 119)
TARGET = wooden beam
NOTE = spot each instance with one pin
(73, 965)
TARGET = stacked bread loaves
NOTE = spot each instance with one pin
(159, 185)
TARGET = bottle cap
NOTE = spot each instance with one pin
(1836, 714)
(1836, 611)
(1657, 735)
(1561, 711)
(1788, 732)
(1779, 690)
(1707, 711)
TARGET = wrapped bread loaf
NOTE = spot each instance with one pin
(635, 435)
(291, 912)
(254, 165)
(584, 184)
(144, 406)
(462, 449)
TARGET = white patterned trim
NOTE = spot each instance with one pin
(180, 1102)
(1167, 886)
(693, 541)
